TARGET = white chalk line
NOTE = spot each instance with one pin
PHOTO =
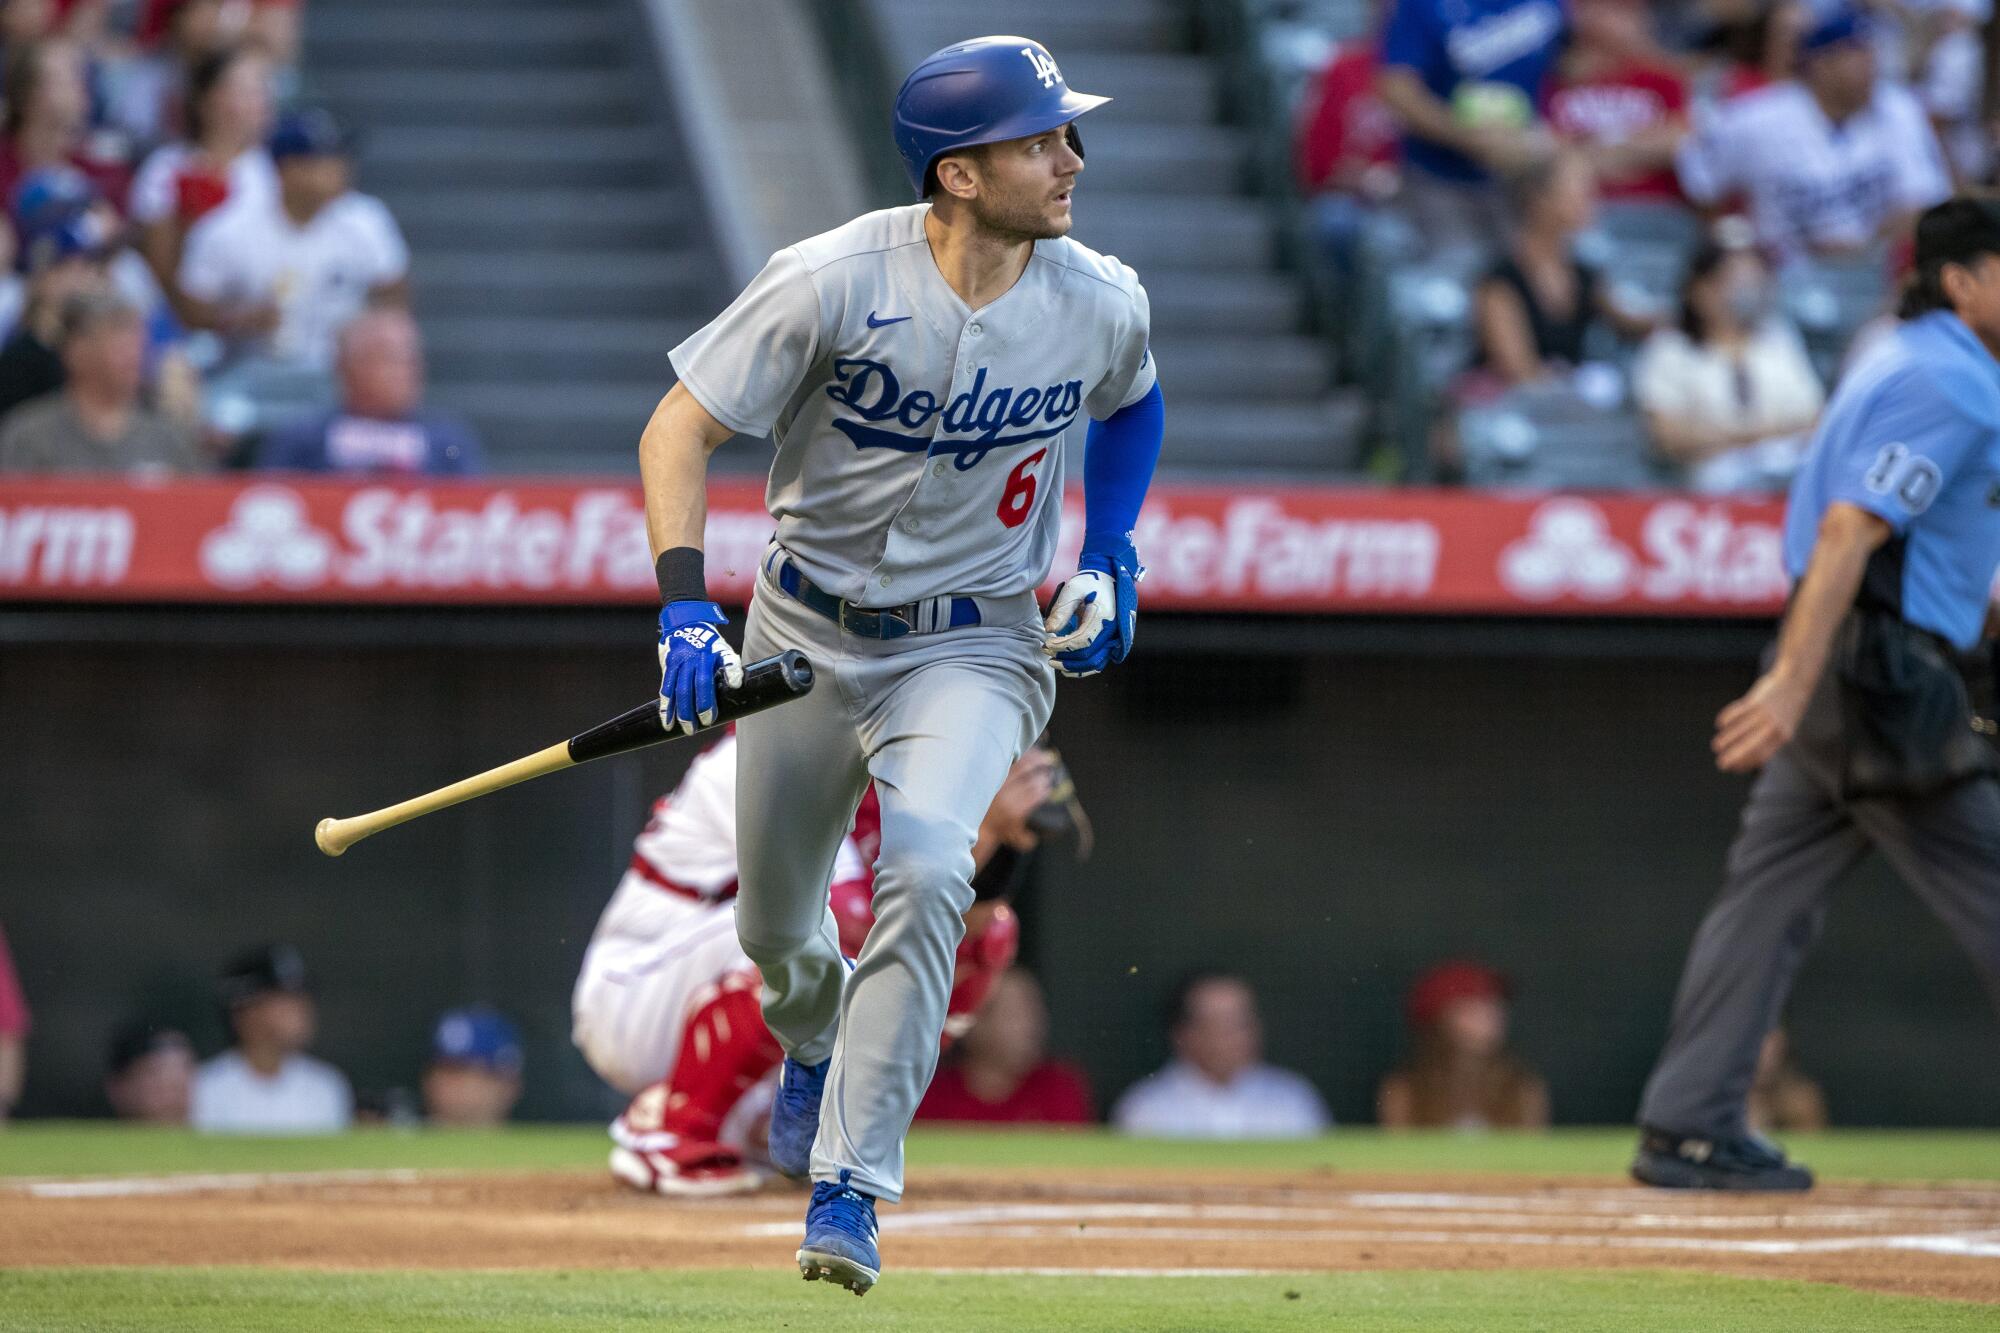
(126, 1187)
(1086, 1221)
(1978, 1246)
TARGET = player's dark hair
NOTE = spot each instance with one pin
(1923, 293)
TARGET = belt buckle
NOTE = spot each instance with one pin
(889, 624)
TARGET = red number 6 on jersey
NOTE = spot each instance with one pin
(1019, 497)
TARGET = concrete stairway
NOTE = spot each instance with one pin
(1248, 388)
(560, 246)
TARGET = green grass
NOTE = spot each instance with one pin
(102, 1148)
(224, 1300)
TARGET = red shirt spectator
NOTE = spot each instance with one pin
(1348, 140)
(1606, 111)
(1002, 1073)
(1052, 1094)
(13, 1005)
(13, 1034)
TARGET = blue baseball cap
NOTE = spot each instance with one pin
(50, 194)
(1840, 28)
(308, 132)
(478, 1035)
(81, 234)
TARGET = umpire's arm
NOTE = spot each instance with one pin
(1755, 727)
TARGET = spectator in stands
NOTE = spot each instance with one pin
(474, 1075)
(1217, 1086)
(151, 1077)
(223, 157)
(1000, 1071)
(1744, 45)
(22, 24)
(1833, 162)
(1782, 1099)
(381, 424)
(299, 266)
(1616, 97)
(1349, 142)
(96, 422)
(1465, 79)
(64, 254)
(1460, 1074)
(266, 1083)
(1535, 310)
(145, 88)
(13, 1035)
(47, 120)
(1950, 77)
(1730, 395)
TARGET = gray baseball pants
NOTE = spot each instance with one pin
(935, 721)
(1797, 838)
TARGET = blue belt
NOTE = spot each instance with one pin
(925, 617)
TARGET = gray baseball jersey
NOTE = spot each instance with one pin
(919, 442)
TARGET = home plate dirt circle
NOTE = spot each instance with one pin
(1942, 1241)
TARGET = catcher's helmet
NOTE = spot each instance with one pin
(982, 91)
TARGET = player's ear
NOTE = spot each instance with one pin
(958, 175)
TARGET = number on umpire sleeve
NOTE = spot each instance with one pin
(1909, 477)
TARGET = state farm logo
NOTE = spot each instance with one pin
(1259, 549)
(447, 542)
(1672, 551)
(268, 537)
(1569, 549)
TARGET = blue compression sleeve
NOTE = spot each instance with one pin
(1119, 455)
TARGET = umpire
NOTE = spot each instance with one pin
(1861, 721)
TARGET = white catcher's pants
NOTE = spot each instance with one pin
(936, 720)
(653, 960)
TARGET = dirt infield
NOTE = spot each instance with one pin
(1932, 1241)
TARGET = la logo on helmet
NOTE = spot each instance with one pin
(1045, 65)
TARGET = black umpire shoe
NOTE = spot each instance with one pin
(1750, 1162)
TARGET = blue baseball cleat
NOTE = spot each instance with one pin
(795, 1116)
(840, 1237)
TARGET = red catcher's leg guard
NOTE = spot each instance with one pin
(982, 957)
(724, 1051)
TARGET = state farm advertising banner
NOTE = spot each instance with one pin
(1291, 550)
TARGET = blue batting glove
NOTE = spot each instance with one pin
(1095, 616)
(692, 654)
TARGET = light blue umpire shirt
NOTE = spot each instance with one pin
(1913, 435)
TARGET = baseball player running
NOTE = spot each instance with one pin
(1861, 722)
(665, 1007)
(918, 369)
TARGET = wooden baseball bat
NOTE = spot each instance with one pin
(766, 684)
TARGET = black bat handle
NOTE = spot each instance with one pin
(766, 684)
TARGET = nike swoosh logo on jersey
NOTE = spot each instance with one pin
(875, 323)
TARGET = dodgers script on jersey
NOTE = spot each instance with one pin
(919, 442)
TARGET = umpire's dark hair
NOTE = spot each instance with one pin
(1181, 999)
(1958, 231)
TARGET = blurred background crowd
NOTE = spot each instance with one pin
(1595, 243)
(1459, 1071)
(192, 282)
(1628, 245)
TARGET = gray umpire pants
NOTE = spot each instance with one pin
(1797, 838)
(935, 720)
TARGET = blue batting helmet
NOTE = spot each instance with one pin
(981, 91)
